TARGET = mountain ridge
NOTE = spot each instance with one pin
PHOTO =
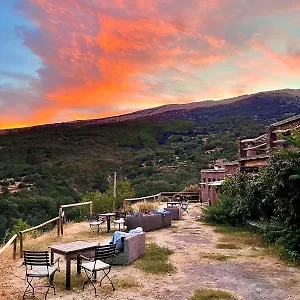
(152, 112)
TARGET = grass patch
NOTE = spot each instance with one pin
(240, 235)
(230, 230)
(77, 281)
(227, 246)
(215, 256)
(156, 260)
(209, 294)
(127, 282)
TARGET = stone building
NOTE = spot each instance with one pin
(255, 153)
(211, 179)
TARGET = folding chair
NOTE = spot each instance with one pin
(92, 267)
(37, 266)
(185, 206)
(120, 220)
(95, 221)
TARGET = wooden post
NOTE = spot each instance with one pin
(91, 209)
(21, 244)
(15, 249)
(61, 222)
(58, 228)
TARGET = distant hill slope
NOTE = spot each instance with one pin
(256, 102)
(266, 107)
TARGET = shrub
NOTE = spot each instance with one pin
(144, 207)
(287, 238)
(223, 212)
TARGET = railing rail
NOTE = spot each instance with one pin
(13, 240)
(159, 196)
(76, 204)
(34, 228)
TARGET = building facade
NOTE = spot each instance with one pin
(211, 179)
(255, 153)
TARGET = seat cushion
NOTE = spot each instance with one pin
(41, 271)
(121, 221)
(100, 265)
(96, 223)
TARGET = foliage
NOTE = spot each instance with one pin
(192, 188)
(105, 202)
(286, 237)
(19, 226)
(222, 213)
(144, 207)
(102, 202)
(155, 260)
(270, 196)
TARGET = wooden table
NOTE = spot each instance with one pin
(173, 203)
(71, 251)
(107, 216)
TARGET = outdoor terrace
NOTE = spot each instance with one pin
(202, 257)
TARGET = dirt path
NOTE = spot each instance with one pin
(248, 272)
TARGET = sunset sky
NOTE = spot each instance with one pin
(63, 60)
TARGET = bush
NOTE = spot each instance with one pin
(223, 212)
(287, 238)
(144, 207)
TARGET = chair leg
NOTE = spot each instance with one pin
(106, 275)
(51, 284)
(89, 280)
(29, 285)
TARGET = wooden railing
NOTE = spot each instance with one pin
(12, 240)
(60, 222)
(34, 228)
(158, 197)
(61, 213)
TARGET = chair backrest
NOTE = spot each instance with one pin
(120, 215)
(93, 217)
(36, 258)
(105, 251)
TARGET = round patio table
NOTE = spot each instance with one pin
(107, 216)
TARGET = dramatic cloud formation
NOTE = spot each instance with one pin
(101, 58)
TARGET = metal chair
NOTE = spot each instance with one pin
(37, 266)
(92, 267)
(185, 206)
(95, 221)
(120, 220)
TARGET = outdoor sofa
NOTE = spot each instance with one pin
(175, 211)
(149, 222)
(129, 249)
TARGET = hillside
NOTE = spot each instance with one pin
(44, 166)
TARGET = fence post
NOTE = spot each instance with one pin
(58, 228)
(15, 249)
(91, 209)
(61, 222)
(21, 244)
